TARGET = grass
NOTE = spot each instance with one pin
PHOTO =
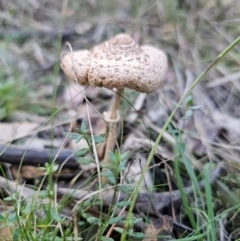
(202, 44)
(187, 164)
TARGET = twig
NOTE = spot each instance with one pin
(16, 155)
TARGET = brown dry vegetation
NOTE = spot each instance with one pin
(198, 154)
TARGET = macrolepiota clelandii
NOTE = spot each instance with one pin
(117, 63)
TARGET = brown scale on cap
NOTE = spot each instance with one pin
(119, 63)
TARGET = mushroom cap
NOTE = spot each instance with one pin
(156, 73)
(75, 65)
(118, 63)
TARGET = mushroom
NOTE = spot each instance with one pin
(75, 65)
(117, 63)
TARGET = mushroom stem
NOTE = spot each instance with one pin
(112, 118)
(113, 112)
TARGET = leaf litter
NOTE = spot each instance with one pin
(206, 125)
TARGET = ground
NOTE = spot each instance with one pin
(183, 139)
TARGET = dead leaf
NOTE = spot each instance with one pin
(74, 94)
(27, 172)
(5, 232)
(161, 226)
(133, 172)
(15, 130)
(229, 123)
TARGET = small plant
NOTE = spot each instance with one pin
(83, 133)
(112, 171)
(13, 96)
(116, 165)
(130, 232)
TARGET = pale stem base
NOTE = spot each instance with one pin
(112, 125)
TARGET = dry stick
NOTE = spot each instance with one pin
(94, 147)
(75, 222)
(170, 190)
(151, 154)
